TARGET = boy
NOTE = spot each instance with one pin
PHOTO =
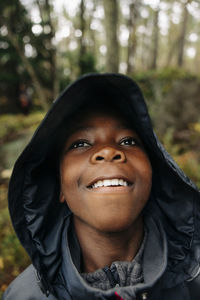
(99, 205)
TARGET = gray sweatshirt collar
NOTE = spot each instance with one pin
(122, 273)
(154, 265)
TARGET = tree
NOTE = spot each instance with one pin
(111, 28)
(16, 33)
(183, 31)
(82, 38)
(155, 37)
(40, 63)
(132, 41)
(48, 22)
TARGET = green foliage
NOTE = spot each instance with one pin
(190, 164)
(13, 258)
(172, 96)
(15, 17)
(187, 159)
(166, 74)
(27, 57)
(87, 63)
(168, 142)
(163, 77)
(11, 125)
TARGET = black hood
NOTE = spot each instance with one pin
(36, 213)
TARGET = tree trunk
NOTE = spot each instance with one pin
(171, 53)
(55, 80)
(143, 47)
(197, 56)
(132, 41)
(182, 34)
(111, 26)
(171, 39)
(45, 14)
(155, 38)
(82, 49)
(39, 90)
(94, 45)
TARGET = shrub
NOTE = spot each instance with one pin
(11, 125)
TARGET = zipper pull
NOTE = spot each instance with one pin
(118, 296)
(113, 281)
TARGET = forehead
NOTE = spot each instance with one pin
(104, 108)
(101, 118)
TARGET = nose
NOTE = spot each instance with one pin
(108, 154)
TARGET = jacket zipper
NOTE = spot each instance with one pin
(113, 276)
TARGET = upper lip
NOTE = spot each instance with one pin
(109, 178)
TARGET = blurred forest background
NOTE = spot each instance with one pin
(46, 44)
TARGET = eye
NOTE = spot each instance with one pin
(79, 144)
(128, 141)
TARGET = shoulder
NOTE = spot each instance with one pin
(25, 287)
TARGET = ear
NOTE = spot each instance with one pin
(62, 198)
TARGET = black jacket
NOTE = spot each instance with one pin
(172, 254)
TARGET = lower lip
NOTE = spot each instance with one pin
(111, 189)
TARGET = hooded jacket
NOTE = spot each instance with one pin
(171, 263)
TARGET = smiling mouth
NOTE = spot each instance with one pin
(114, 182)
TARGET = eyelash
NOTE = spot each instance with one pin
(130, 139)
(76, 144)
(84, 143)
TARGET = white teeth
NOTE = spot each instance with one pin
(110, 182)
(114, 182)
(121, 181)
(107, 182)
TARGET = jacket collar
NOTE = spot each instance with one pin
(154, 265)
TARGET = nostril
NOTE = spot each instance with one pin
(99, 158)
(108, 154)
(118, 156)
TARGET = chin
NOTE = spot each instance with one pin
(115, 224)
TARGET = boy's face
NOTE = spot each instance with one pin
(105, 173)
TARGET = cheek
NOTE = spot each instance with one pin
(69, 170)
(144, 178)
(146, 172)
(141, 163)
(71, 176)
(67, 179)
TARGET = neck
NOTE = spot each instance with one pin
(100, 249)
